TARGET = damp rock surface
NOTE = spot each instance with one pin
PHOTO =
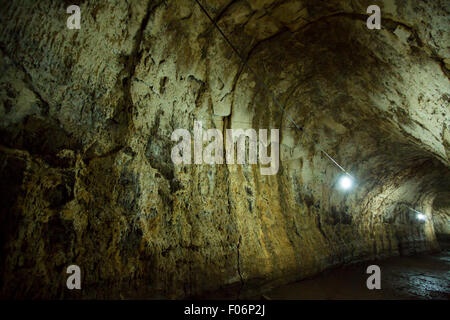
(424, 277)
(86, 118)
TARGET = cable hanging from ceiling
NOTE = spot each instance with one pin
(264, 86)
(345, 182)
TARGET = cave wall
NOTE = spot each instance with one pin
(87, 115)
(441, 217)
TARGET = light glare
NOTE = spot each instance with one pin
(345, 182)
(421, 216)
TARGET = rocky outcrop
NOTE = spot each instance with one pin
(87, 116)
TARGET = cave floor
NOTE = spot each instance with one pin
(404, 277)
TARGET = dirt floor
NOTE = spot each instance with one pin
(415, 277)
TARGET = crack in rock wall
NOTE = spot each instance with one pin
(86, 118)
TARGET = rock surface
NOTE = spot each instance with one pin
(86, 118)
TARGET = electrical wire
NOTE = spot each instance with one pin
(264, 86)
(274, 99)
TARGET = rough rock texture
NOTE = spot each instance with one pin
(86, 117)
(441, 217)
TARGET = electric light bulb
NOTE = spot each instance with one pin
(421, 216)
(345, 182)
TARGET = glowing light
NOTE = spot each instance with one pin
(345, 182)
(421, 217)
